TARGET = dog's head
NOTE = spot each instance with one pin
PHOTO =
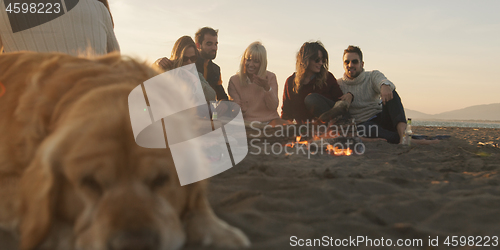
(89, 177)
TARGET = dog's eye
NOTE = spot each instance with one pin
(159, 181)
(91, 183)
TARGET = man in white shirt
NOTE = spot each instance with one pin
(376, 103)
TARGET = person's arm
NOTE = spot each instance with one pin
(221, 93)
(382, 85)
(336, 92)
(167, 64)
(208, 91)
(271, 96)
(1, 46)
(347, 97)
(233, 92)
(269, 85)
(286, 107)
(111, 42)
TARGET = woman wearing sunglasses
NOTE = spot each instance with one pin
(254, 88)
(312, 90)
(184, 52)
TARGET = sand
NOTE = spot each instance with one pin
(451, 188)
(420, 192)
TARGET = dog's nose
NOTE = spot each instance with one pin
(134, 240)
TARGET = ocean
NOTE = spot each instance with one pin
(456, 123)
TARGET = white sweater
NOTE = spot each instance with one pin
(87, 25)
(366, 91)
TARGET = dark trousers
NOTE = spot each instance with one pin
(318, 104)
(384, 124)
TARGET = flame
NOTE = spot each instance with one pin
(338, 151)
(300, 142)
(348, 152)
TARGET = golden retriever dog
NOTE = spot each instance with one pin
(71, 173)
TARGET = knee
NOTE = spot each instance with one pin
(395, 98)
(311, 99)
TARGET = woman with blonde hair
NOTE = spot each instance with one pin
(312, 90)
(254, 88)
(184, 52)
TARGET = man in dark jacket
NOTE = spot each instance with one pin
(206, 42)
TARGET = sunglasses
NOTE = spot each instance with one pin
(192, 58)
(355, 61)
(317, 60)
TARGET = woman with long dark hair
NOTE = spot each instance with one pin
(312, 90)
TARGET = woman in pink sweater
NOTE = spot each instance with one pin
(254, 88)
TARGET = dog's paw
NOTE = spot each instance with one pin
(208, 230)
(224, 235)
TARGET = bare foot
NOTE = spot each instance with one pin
(401, 127)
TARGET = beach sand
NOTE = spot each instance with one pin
(451, 188)
(420, 192)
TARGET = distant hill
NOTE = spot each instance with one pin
(417, 114)
(489, 112)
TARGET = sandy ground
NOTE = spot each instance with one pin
(451, 188)
(391, 191)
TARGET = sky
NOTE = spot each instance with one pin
(441, 55)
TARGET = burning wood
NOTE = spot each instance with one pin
(338, 146)
(338, 151)
(308, 139)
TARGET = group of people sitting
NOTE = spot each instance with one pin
(311, 93)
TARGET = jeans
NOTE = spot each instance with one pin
(318, 104)
(384, 124)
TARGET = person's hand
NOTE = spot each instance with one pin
(385, 93)
(347, 98)
(262, 82)
(340, 108)
(164, 63)
(280, 122)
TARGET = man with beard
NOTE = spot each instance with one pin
(376, 101)
(206, 42)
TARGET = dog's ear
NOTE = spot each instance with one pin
(38, 190)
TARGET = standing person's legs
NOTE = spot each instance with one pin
(318, 104)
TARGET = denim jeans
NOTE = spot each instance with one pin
(318, 104)
(384, 124)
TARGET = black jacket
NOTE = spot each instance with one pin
(213, 76)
